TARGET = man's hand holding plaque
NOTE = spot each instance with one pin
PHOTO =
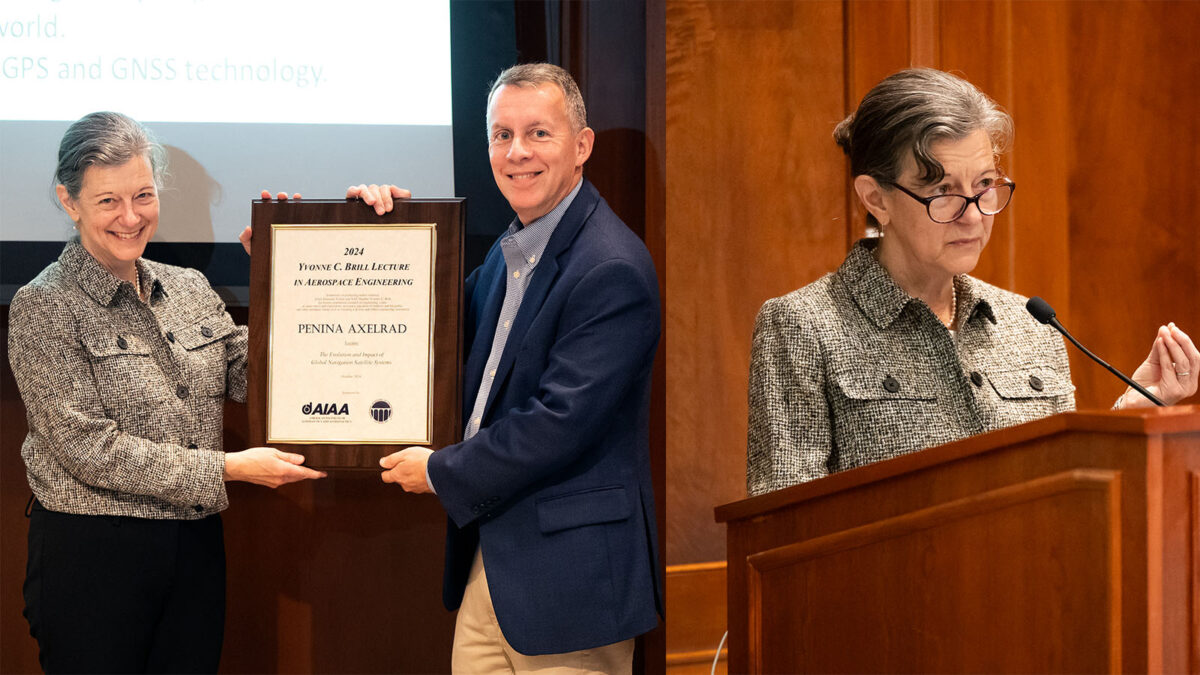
(406, 468)
(379, 196)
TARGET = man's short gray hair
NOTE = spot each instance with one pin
(535, 74)
(105, 139)
(909, 112)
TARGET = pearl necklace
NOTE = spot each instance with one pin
(953, 305)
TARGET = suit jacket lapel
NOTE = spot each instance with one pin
(543, 279)
(485, 330)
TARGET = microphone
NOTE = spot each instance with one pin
(1044, 313)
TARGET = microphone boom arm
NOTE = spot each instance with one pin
(1127, 380)
(1044, 313)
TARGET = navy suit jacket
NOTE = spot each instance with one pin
(556, 486)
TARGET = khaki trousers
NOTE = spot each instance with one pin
(480, 647)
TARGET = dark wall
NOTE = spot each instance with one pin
(483, 42)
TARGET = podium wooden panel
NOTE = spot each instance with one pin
(1069, 544)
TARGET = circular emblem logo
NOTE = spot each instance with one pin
(381, 411)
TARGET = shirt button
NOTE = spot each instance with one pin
(1036, 383)
(517, 274)
(506, 323)
(533, 258)
(170, 336)
(122, 343)
(976, 379)
(477, 420)
(891, 384)
(206, 331)
(493, 372)
(181, 391)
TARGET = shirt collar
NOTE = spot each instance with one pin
(528, 242)
(96, 280)
(882, 299)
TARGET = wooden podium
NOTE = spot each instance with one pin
(1069, 544)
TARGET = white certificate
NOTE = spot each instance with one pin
(350, 354)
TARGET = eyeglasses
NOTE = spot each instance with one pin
(949, 208)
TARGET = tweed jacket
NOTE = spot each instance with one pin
(851, 370)
(124, 398)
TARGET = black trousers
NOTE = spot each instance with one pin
(113, 594)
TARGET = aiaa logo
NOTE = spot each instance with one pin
(381, 411)
(325, 409)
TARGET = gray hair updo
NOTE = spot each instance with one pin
(105, 139)
(535, 74)
(910, 111)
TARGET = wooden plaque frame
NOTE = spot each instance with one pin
(449, 216)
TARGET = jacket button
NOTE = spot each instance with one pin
(976, 379)
(181, 391)
(206, 331)
(193, 446)
(891, 384)
(1036, 383)
(170, 336)
(122, 343)
(198, 508)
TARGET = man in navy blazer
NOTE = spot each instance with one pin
(551, 550)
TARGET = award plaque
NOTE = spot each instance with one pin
(355, 331)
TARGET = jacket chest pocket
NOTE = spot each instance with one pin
(882, 386)
(1023, 394)
(125, 371)
(1033, 382)
(200, 350)
(882, 407)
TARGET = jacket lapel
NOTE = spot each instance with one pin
(491, 279)
(543, 279)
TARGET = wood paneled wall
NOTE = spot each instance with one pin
(758, 201)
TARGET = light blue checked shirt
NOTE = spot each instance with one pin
(522, 248)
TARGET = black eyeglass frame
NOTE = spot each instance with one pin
(967, 201)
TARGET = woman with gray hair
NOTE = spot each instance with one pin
(900, 349)
(124, 365)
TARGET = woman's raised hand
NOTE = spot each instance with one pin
(1170, 372)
